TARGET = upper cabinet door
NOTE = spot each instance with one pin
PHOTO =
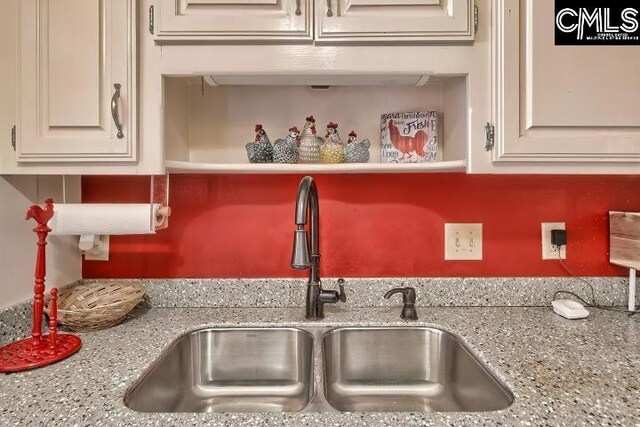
(394, 20)
(561, 103)
(233, 20)
(77, 81)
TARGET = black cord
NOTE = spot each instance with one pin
(572, 294)
(593, 295)
(593, 303)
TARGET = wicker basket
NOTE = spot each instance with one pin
(97, 305)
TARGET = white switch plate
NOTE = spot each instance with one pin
(463, 242)
(550, 251)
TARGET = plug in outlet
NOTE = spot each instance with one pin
(463, 242)
(102, 252)
(549, 250)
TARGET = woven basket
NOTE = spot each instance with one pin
(97, 305)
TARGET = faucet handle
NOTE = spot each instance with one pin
(342, 296)
(332, 297)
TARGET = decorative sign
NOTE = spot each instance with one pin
(597, 22)
(409, 137)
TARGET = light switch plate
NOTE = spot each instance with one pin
(550, 251)
(463, 242)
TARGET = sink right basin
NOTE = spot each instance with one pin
(412, 369)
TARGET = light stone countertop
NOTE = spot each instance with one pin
(561, 372)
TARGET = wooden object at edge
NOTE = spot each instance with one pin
(624, 238)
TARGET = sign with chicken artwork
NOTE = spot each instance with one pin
(409, 137)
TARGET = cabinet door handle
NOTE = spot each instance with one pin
(114, 110)
(329, 11)
(298, 11)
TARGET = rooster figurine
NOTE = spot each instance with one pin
(332, 151)
(309, 142)
(408, 144)
(285, 150)
(41, 215)
(260, 150)
(356, 152)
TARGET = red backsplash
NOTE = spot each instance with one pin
(371, 225)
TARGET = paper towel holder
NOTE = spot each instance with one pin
(96, 247)
(160, 195)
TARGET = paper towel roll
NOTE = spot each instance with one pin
(103, 218)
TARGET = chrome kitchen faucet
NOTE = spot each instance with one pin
(302, 259)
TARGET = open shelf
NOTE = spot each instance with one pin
(208, 124)
(191, 167)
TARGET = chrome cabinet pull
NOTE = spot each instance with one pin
(329, 11)
(298, 11)
(114, 110)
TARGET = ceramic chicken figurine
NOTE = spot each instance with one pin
(356, 152)
(309, 142)
(332, 151)
(285, 150)
(260, 150)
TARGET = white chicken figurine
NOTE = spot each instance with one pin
(356, 152)
(285, 150)
(260, 150)
(309, 142)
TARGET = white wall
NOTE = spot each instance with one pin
(18, 241)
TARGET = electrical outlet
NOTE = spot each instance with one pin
(463, 242)
(104, 252)
(550, 251)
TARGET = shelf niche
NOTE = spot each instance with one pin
(207, 126)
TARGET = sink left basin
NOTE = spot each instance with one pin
(229, 370)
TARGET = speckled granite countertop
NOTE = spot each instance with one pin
(561, 372)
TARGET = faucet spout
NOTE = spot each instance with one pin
(306, 250)
(307, 206)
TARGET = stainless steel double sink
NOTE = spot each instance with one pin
(372, 369)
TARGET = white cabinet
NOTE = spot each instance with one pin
(77, 83)
(394, 20)
(221, 20)
(397, 21)
(8, 89)
(561, 103)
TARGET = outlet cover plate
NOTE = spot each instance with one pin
(549, 251)
(103, 255)
(463, 242)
